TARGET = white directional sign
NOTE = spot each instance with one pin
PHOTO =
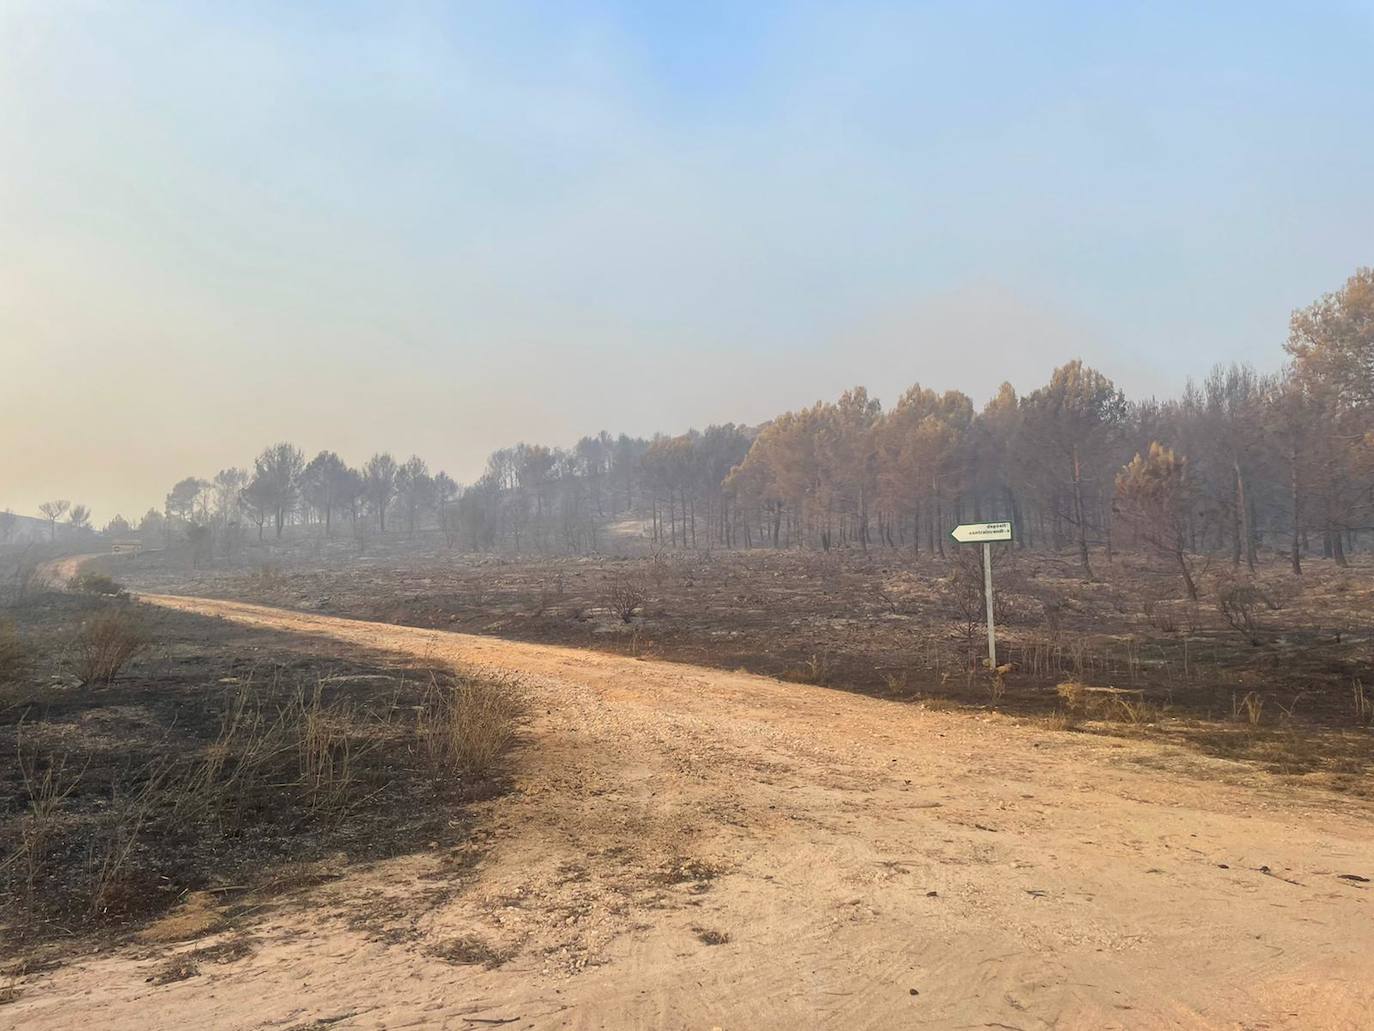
(985, 534)
(979, 533)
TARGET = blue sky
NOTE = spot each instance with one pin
(443, 227)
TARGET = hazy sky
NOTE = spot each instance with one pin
(440, 228)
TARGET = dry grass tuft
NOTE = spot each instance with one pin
(14, 653)
(1251, 707)
(709, 936)
(465, 727)
(1135, 711)
(469, 950)
(106, 642)
(198, 916)
(1363, 704)
(816, 670)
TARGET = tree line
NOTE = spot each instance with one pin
(1240, 464)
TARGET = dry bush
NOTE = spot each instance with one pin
(898, 684)
(106, 642)
(816, 670)
(624, 596)
(465, 727)
(1251, 707)
(47, 786)
(997, 687)
(1075, 698)
(660, 569)
(965, 596)
(98, 584)
(890, 599)
(1161, 617)
(1135, 711)
(1239, 603)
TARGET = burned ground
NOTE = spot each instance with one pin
(222, 762)
(1271, 669)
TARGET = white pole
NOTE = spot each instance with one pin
(987, 586)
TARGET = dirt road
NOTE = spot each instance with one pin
(687, 848)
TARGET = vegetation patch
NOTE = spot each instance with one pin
(219, 761)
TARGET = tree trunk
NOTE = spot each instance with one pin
(1078, 514)
(1295, 551)
(1106, 510)
(1338, 546)
(1246, 538)
(1187, 574)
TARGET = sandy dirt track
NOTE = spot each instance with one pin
(686, 848)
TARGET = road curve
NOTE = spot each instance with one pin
(690, 848)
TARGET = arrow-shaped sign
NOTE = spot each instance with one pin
(979, 533)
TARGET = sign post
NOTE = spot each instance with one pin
(970, 533)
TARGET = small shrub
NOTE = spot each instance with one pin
(1239, 603)
(997, 687)
(1074, 708)
(1162, 618)
(659, 569)
(108, 640)
(1075, 697)
(97, 583)
(898, 684)
(963, 593)
(623, 597)
(816, 670)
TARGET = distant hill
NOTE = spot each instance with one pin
(28, 527)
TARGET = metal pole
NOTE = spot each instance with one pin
(987, 586)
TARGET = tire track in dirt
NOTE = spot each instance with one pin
(691, 848)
